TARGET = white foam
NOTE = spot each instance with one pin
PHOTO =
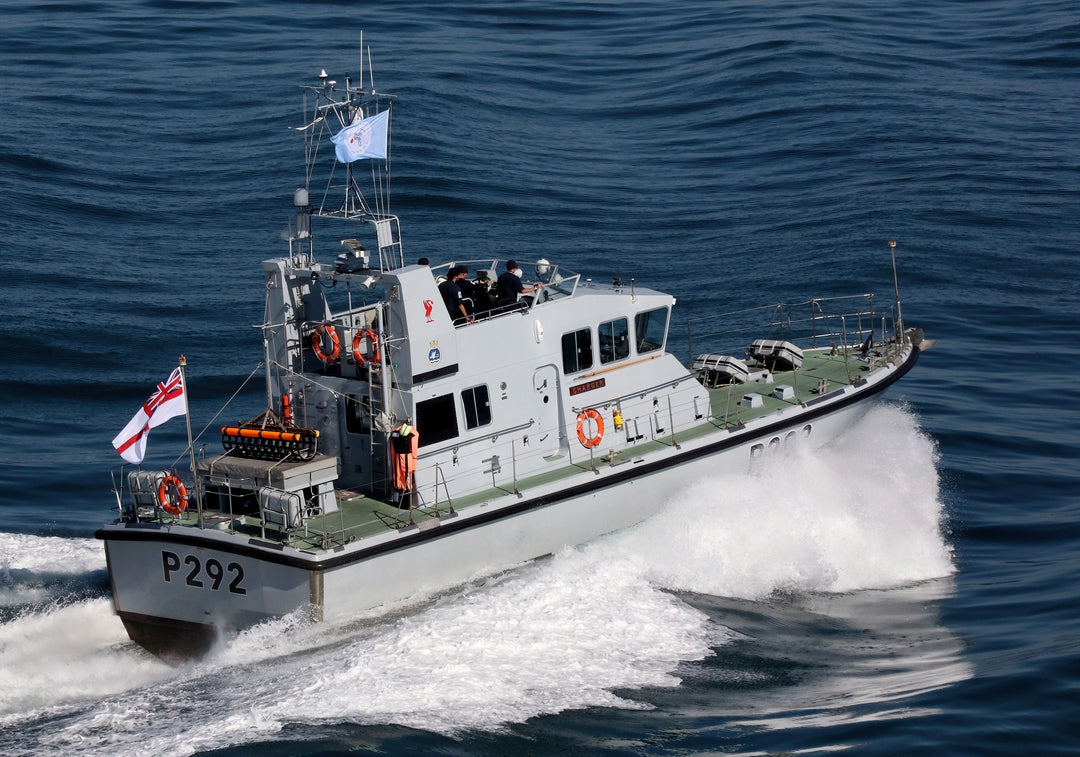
(68, 655)
(562, 633)
(862, 514)
(552, 636)
(50, 554)
(30, 564)
(559, 634)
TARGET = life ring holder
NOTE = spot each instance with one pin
(325, 330)
(357, 355)
(593, 415)
(165, 501)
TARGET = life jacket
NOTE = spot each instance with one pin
(404, 445)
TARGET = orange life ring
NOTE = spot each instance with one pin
(325, 330)
(166, 501)
(357, 355)
(595, 417)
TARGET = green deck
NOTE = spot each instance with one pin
(360, 516)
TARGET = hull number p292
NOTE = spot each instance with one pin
(200, 575)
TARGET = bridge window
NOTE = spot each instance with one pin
(614, 339)
(650, 328)
(577, 351)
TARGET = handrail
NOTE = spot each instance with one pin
(446, 489)
(787, 318)
(637, 392)
(487, 437)
(617, 366)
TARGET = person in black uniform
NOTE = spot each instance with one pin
(466, 287)
(509, 286)
(451, 296)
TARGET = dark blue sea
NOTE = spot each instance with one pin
(911, 589)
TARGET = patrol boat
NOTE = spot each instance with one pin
(399, 454)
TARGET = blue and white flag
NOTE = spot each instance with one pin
(363, 139)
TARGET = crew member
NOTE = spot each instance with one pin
(451, 296)
(466, 287)
(509, 286)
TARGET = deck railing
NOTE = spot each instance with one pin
(838, 321)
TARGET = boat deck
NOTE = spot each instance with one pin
(820, 374)
(358, 516)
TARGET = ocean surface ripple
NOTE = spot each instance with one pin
(910, 589)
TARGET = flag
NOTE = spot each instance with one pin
(363, 139)
(167, 401)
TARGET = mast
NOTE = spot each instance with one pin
(896, 289)
(334, 111)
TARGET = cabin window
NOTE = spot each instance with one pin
(650, 328)
(477, 407)
(577, 351)
(614, 339)
(357, 414)
(436, 420)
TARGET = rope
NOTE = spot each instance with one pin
(218, 413)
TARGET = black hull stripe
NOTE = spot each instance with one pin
(447, 370)
(449, 528)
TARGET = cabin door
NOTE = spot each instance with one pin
(359, 456)
(546, 391)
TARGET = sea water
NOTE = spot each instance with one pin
(907, 589)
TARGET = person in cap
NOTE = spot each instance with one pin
(451, 296)
(509, 286)
(466, 287)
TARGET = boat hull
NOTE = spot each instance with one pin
(195, 591)
(206, 584)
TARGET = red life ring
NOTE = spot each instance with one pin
(595, 417)
(357, 355)
(166, 501)
(325, 330)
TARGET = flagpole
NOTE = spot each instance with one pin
(896, 289)
(190, 442)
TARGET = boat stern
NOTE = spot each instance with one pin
(178, 593)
